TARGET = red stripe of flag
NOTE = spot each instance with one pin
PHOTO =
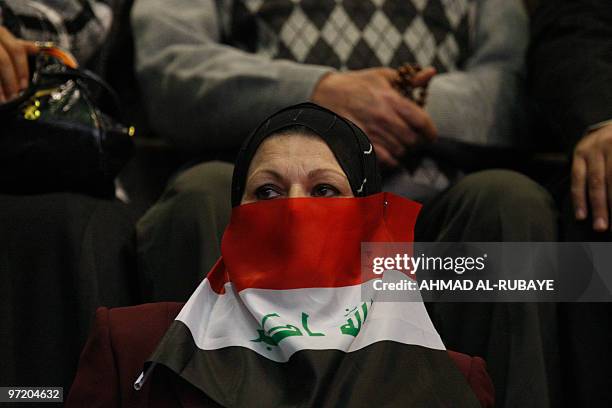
(308, 242)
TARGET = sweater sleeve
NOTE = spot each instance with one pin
(96, 383)
(483, 102)
(203, 94)
(80, 26)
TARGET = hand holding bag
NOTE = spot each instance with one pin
(54, 137)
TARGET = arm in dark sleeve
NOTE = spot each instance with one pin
(199, 92)
(96, 383)
(570, 63)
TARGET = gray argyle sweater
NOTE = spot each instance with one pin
(212, 69)
(354, 34)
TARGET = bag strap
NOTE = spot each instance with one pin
(65, 73)
(89, 77)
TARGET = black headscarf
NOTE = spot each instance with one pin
(349, 144)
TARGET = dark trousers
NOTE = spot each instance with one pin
(61, 257)
(519, 341)
(585, 329)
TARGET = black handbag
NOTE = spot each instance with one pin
(55, 138)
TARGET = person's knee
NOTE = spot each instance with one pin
(505, 188)
(211, 177)
(187, 212)
(512, 200)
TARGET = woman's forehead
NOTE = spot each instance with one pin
(294, 150)
(294, 145)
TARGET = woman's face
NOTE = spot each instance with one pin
(294, 165)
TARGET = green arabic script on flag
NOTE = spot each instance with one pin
(274, 335)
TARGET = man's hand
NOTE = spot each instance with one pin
(592, 177)
(14, 71)
(367, 97)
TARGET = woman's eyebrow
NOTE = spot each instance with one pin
(270, 172)
(323, 172)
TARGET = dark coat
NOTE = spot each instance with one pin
(570, 67)
(124, 338)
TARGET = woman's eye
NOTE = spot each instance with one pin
(325, 190)
(267, 192)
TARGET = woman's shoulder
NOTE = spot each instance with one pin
(148, 316)
(135, 331)
(120, 342)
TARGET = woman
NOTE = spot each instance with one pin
(285, 317)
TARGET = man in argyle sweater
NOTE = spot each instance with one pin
(258, 56)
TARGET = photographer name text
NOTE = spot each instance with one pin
(508, 285)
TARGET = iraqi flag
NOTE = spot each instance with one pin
(287, 316)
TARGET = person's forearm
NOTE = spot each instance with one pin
(202, 94)
(211, 98)
(483, 102)
(481, 107)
